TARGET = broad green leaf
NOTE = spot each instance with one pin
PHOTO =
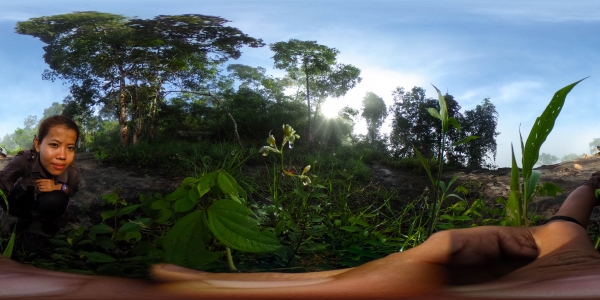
(130, 227)
(227, 183)
(184, 204)
(356, 220)
(107, 214)
(207, 182)
(164, 215)
(434, 113)
(465, 140)
(542, 127)
(127, 210)
(177, 194)
(160, 204)
(189, 181)
(184, 242)
(134, 235)
(105, 242)
(514, 172)
(101, 228)
(232, 224)
(193, 194)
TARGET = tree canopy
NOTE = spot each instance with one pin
(316, 68)
(117, 56)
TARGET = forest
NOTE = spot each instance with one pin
(165, 94)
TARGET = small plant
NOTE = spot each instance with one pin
(289, 137)
(523, 186)
(441, 191)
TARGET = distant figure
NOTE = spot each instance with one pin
(3, 153)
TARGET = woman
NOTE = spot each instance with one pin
(43, 179)
(553, 260)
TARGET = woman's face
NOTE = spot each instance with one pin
(57, 149)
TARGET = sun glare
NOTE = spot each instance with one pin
(330, 109)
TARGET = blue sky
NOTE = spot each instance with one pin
(517, 53)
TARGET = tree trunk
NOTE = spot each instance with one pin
(308, 131)
(122, 108)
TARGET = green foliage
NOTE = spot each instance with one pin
(3, 225)
(413, 126)
(522, 187)
(374, 112)
(315, 68)
(441, 191)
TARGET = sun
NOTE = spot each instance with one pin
(330, 109)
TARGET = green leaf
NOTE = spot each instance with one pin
(232, 224)
(164, 215)
(130, 227)
(350, 228)
(425, 164)
(184, 242)
(134, 235)
(465, 140)
(542, 127)
(454, 123)
(531, 184)
(514, 204)
(105, 242)
(160, 204)
(184, 204)
(227, 184)
(127, 210)
(101, 228)
(188, 182)
(434, 113)
(207, 182)
(98, 257)
(177, 194)
(443, 110)
(107, 214)
(59, 243)
(550, 189)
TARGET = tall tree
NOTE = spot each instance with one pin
(112, 52)
(374, 112)
(413, 126)
(480, 122)
(316, 64)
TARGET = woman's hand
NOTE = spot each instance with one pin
(47, 185)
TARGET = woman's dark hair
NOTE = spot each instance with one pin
(53, 121)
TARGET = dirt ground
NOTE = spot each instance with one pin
(98, 179)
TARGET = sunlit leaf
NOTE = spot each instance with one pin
(233, 225)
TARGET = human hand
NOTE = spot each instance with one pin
(491, 261)
(47, 185)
